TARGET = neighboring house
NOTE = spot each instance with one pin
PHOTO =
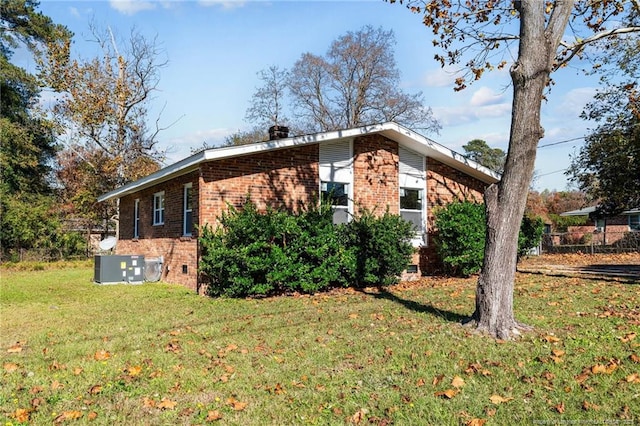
(606, 230)
(378, 167)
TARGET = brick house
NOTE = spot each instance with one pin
(380, 166)
(604, 230)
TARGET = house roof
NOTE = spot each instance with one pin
(404, 136)
(588, 210)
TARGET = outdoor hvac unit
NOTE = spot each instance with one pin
(113, 269)
(153, 268)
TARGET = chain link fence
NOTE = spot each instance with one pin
(591, 242)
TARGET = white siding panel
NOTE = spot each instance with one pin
(336, 161)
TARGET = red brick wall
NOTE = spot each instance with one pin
(444, 185)
(375, 177)
(284, 178)
(163, 240)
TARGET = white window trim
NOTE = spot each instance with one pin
(136, 218)
(349, 206)
(340, 171)
(414, 179)
(160, 210)
(186, 232)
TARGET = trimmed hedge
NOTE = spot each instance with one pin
(461, 236)
(275, 252)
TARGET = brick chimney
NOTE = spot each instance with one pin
(278, 132)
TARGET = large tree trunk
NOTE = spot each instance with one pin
(505, 202)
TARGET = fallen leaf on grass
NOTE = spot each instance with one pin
(213, 415)
(55, 385)
(476, 422)
(448, 394)
(10, 367)
(134, 371)
(148, 402)
(166, 404)
(457, 382)
(77, 371)
(21, 415)
(235, 404)
(437, 379)
(551, 339)
(68, 415)
(16, 348)
(604, 369)
(92, 415)
(634, 358)
(420, 382)
(101, 355)
(633, 378)
(95, 389)
(560, 408)
(358, 416)
(586, 406)
(497, 399)
(628, 337)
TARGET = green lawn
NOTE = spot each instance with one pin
(79, 353)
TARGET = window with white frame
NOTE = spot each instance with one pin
(413, 183)
(600, 225)
(411, 207)
(158, 208)
(337, 195)
(634, 222)
(187, 207)
(136, 218)
(336, 177)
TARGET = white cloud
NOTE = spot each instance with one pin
(225, 4)
(131, 7)
(440, 77)
(574, 101)
(455, 116)
(485, 96)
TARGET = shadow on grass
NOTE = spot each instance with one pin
(383, 293)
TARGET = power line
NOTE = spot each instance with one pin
(561, 142)
(551, 173)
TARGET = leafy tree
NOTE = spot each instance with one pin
(478, 34)
(27, 138)
(104, 110)
(480, 152)
(606, 167)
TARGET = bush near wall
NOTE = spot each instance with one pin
(460, 236)
(275, 252)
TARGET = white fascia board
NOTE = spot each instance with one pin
(176, 169)
(432, 149)
(394, 131)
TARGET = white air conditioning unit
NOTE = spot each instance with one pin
(153, 268)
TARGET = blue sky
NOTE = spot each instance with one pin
(215, 48)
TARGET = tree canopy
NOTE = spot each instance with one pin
(480, 152)
(606, 167)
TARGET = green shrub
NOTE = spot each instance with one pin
(381, 246)
(253, 253)
(461, 236)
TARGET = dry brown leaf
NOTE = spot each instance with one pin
(68, 415)
(551, 339)
(457, 382)
(560, 408)
(476, 422)
(55, 385)
(633, 378)
(628, 337)
(497, 399)
(634, 358)
(95, 389)
(437, 379)
(166, 404)
(148, 402)
(358, 416)
(134, 371)
(101, 355)
(10, 367)
(14, 349)
(448, 394)
(92, 415)
(353, 316)
(213, 415)
(558, 352)
(77, 371)
(586, 406)
(420, 382)
(21, 415)
(235, 404)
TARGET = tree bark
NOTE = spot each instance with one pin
(505, 201)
